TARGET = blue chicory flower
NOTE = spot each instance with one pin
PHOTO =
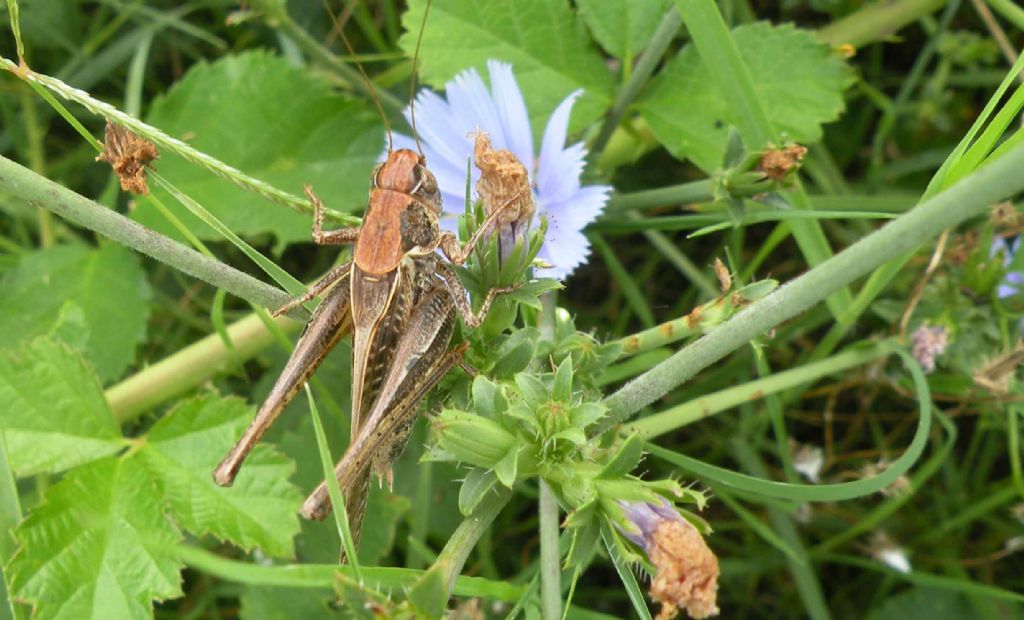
(1013, 282)
(447, 128)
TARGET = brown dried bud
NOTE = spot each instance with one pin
(504, 185)
(129, 156)
(776, 163)
(723, 275)
(687, 569)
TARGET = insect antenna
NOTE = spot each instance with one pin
(412, 81)
(370, 88)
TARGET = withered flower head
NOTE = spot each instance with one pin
(995, 374)
(129, 156)
(687, 569)
(504, 184)
(777, 162)
(929, 342)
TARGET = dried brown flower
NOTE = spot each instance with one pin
(777, 162)
(129, 155)
(504, 184)
(928, 343)
(687, 569)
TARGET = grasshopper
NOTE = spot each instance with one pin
(398, 298)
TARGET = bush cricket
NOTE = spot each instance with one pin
(398, 298)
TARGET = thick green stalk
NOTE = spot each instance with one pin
(699, 408)
(970, 197)
(877, 21)
(191, 366)
(42, 192)
(460, 545)
(550, 562)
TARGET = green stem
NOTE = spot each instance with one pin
(190, 367)
(460, 545)
(971, 196)
(36, 160)
(663, 36)
(42, 192)
(1010, 11)
(699, 408)
(165, 141)
(877, 21)
(550, 564)
(741, 185)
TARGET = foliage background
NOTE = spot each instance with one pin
(104, 448)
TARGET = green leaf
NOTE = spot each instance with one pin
(625, 460)
(506, 468)
(98, 547)
(181, 451)
(561, 387)
(925, 602)
(478, 483)
(106, 284)
(532, 389)
(550, 55)
(429, 595)
(378, 533)
(275, 122)
(798, 79)
(276, 603)
(623, 27)
(484, 395)
(54, 415)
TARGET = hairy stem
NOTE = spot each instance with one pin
(460, 545)
(42, 192)
(993, 182)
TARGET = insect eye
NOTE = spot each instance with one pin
(425, 181)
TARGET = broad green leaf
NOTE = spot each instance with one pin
(383, 512)
(798, 79)
(623, 27)
(98, 547)
(549, 53)
(106, 284)
(273, 121)
(924, 602)
(181, 452)
(54, 415)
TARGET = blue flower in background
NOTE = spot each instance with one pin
(1013, 281)
(446, 129)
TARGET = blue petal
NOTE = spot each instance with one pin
(563, 170)
(580, 209)
(438, 127)
(473, 108)
(548, 168)
(512, 112)
(1005, 290)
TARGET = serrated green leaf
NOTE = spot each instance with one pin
(54, 415)
(798, 79)
(550, 55)
(108, 286)
(477, 485)
(585, 414)
(99, 547)
(515, 354)
(529, 293)
(181, 451)
(623, 27)
(273, 121)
